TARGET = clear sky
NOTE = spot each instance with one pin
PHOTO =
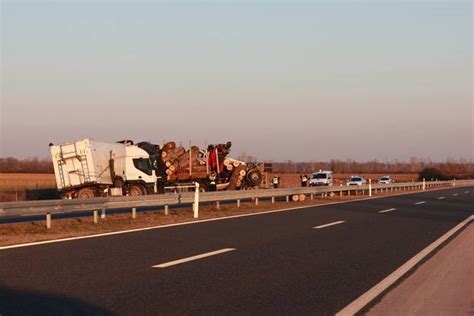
(282, 80)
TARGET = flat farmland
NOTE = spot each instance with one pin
(25, 186)
(26, 180)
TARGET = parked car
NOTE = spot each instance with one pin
(321, 178)
(356, 180)
(385, 180)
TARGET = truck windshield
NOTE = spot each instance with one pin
(320, 176)
(356, 179)
(143, 165)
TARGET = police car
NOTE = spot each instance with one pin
(321, 178)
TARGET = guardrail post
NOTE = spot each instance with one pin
(134, 212)
(48, 220)
(423, 185)
(167, 209)
(370, 187)
(102, 213)
(288, 198)
(273, 200)
(238, 202)
(256, 201)
(196, 201)
(95, 216)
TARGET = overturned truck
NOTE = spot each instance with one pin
(87, 168)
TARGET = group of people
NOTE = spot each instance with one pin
(276, 181)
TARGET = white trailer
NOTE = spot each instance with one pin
(87, 168)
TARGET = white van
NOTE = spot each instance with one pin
(321, 178)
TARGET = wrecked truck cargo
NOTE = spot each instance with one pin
(87, 168)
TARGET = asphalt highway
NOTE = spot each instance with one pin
(314, 260)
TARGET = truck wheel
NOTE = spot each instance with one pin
(86, 193)
(254, 177)
(135, 190)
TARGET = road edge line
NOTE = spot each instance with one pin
(362, 301)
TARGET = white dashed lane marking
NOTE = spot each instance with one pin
(327, 225)
(197, 257)
(388, 210)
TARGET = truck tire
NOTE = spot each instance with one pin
(254, 177)
(136, 190)
(86, 193)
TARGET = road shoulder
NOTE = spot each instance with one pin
(443, 285)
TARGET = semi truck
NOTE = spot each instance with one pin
(88, 168)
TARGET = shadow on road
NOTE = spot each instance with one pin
(19, 302)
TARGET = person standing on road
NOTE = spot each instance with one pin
(276, 181)
(304, 180)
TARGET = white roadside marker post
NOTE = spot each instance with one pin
(102, 214)
(167, 209)
(134, 212)
(256, 201)
(96, 217)
(196, 201)
(238, 203)
(48, 220)
(423, 185)
(370, 187)
(454, 182)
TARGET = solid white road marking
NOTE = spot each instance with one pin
(389, 210)
(134, 230)
(455, 194)
(466, 192)
(441, 198)
(327, 225)
(197, 257)
(421, 202)
(383, 285)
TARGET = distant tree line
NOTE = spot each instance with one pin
(30, 165)
(450, 167)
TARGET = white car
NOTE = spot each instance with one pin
(385, 180)
(356, 180)
(321, 178)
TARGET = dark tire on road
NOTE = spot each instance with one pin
(135, 190)
(86, 193)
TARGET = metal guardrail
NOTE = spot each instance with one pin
(30, 208)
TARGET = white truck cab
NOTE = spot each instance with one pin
(321, 178)
(87, 168)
